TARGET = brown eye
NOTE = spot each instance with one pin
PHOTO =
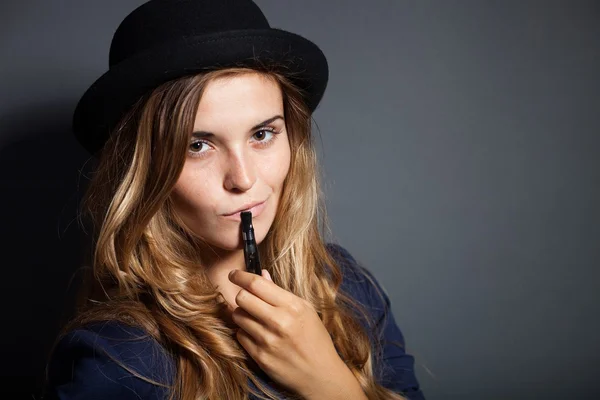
(264, 137)
(260, 135)
(197, 146)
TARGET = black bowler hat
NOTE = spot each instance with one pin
(166, 39)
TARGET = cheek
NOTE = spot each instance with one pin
(193, 194)
(275, 167)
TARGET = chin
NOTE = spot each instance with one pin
(259, 236)
(230, 241)
(230, 233)
(262, 227)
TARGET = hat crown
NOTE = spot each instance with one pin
(160, 21)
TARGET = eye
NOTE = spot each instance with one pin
(198, 148)
(264, 136)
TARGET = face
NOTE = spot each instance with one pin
(239, 155)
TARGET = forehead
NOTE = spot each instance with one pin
(247, 96)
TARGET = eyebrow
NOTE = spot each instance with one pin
(205, 134)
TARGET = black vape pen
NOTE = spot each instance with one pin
(250, 248)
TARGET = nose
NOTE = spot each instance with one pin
(240, 173)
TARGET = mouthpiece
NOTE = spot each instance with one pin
(247, 219)
(250, 248)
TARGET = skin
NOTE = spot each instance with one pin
(234, 167)
(280, 331)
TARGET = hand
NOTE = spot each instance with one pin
(284, 334)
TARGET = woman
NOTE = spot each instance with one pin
(205, 112)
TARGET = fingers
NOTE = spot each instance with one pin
(255, 307)
(248, 323)
(262, 287)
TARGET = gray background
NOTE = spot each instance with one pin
(460, 148)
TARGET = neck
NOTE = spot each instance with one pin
(217, 263)
(220, 262)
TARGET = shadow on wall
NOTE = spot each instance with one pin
(43, 177)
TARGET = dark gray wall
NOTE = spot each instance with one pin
(460, 149)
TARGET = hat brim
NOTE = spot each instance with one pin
(113, 94)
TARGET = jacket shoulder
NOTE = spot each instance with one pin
(358, 281)
(108, 359)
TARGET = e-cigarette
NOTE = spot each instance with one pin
(250, 248)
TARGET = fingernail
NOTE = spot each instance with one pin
(267, 275)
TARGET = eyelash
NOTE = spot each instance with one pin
(262, 143)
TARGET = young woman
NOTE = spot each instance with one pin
(206, 112)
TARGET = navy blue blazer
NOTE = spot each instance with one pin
(87, 363)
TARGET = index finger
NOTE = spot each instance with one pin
(261, 287)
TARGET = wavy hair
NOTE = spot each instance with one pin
(146, 268)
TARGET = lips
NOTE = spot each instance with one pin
(254, 208)
(245, 208)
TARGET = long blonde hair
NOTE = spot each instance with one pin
(146, 267)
